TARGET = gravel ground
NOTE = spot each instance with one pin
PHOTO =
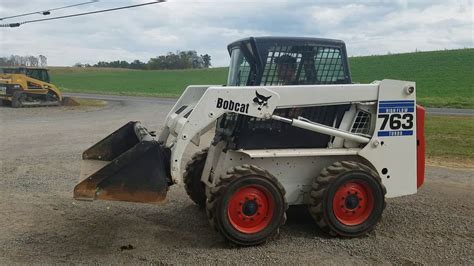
(40, 153)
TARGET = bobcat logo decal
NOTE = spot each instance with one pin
(261, 100)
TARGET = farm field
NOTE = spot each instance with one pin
(161, 83)
(444, 78)
(449, 140)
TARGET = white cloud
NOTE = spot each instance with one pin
(207, 26)
(378, 29)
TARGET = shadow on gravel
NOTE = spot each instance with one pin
(300, 223)
(101, 229)
(143, 227)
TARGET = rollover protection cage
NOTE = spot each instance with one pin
(260, 61)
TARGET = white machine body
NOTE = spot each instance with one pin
(379, 130)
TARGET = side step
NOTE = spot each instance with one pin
(128, 165)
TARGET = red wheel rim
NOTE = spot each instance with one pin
(250, 209)
(353, 203)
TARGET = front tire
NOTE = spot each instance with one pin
(247, 206)
(193, 185)
(347, 199)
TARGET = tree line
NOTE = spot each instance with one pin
(178, 60)
(27, 60)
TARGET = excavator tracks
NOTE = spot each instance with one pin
(29, 100)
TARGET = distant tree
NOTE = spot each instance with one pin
(32, 61)
(206, 60)
(153, 63)
(137, 64)
(43, 60)
(4, 61)
(27, 60)
(172, 61)
(178, 60)
(23, 60)
(101, 64)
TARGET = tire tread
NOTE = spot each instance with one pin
(190, 174)
(234, 173)
(322, 183)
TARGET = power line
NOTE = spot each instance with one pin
(18, 24)
(48, 11)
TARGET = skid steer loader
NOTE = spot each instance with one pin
(27, 87)
(290, 129)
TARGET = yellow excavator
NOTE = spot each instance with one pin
(27, 87)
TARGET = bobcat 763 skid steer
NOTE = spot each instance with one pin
(291, 129)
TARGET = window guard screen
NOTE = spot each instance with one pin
(303, 65)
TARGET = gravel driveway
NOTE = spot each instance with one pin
(40, 151)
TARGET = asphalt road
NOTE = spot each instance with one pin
(171, 101)
(40, 223)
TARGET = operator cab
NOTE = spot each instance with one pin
(32, 72)
(256, 61)
(277, 61)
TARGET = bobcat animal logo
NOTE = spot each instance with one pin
(261, 100)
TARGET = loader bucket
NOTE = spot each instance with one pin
(128, 165)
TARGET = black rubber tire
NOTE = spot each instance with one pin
(196, 189)
(236, 178)
(324, 188)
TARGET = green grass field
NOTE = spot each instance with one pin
(449, 140)
(444, 78)
(165, 83)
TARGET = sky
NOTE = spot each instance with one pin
(368, 27)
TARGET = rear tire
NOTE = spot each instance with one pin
(193, 185)
(247, 206)
(347, 199)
